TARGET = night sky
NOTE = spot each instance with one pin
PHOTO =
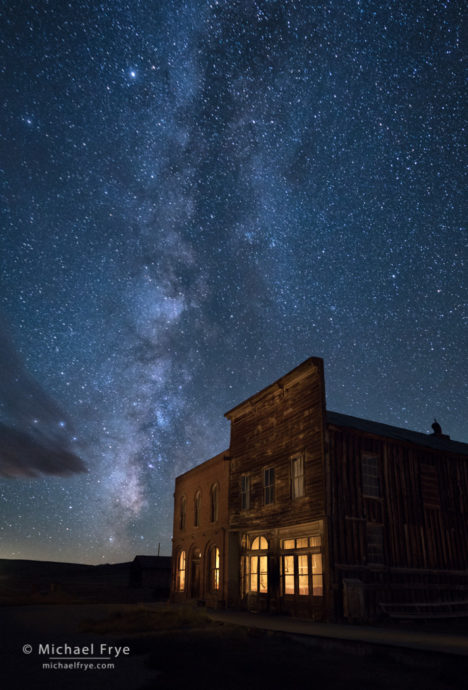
(196, 197)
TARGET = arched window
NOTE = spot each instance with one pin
(214, 569)
(180, 574)
(214, 503)
(183, 512)
(196, 509)
(255, 566)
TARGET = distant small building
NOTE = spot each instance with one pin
(314, 513)
(151, 572)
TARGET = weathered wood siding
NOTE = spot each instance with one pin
(285, 419)
(423, 511)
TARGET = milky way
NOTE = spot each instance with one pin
(196, 197)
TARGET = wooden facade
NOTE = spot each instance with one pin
(330, 516)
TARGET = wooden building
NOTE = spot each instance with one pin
(151, 572)
(325, 515)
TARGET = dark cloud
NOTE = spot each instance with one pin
(34, 432)
(23, 455)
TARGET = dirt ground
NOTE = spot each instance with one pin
(171, 651)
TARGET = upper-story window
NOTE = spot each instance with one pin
(269, 486)
(245, 492)
(196, 509)
(371, 476)
(183, 512)
(214, 498)
(297, 476)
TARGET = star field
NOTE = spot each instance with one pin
(196, 197)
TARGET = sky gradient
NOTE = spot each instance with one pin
(196, 197)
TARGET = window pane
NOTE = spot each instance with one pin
(253, 573)
(315, 541)
(317, 563)
(263, 573)
(263, 543)
(317, 586)
(302, 543)
(288, 543)
(289, 584)
(303, 565)
(303, 584)
(288, 565)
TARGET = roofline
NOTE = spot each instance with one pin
(218, 456)
(400, 434)
(297, 373)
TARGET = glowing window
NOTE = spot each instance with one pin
(317, 575)
(288, 566)
(214, 566)
(259, 544)
(180, 574)
(259, 574)
(301, 572)
(255, 567)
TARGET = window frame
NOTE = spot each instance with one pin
(245, 492)
(181, 571)
(269, 496)
(301, 565)
(183, 512)
(197, 508)
(214, 502)
(254, 566)
(300, 478)
(371, 479)
(215, 569)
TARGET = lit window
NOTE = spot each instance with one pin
(288, 565)
(259, 544)
(196, 509)
(302, 572)
(214, 569)
(370, 476)
(180, 575)
(214, 502)
(297, 476)
(254, 567)
(317, 575)
(245, 492)
(269, 486)
(183, 512)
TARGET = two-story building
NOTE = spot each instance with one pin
(325, 515)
